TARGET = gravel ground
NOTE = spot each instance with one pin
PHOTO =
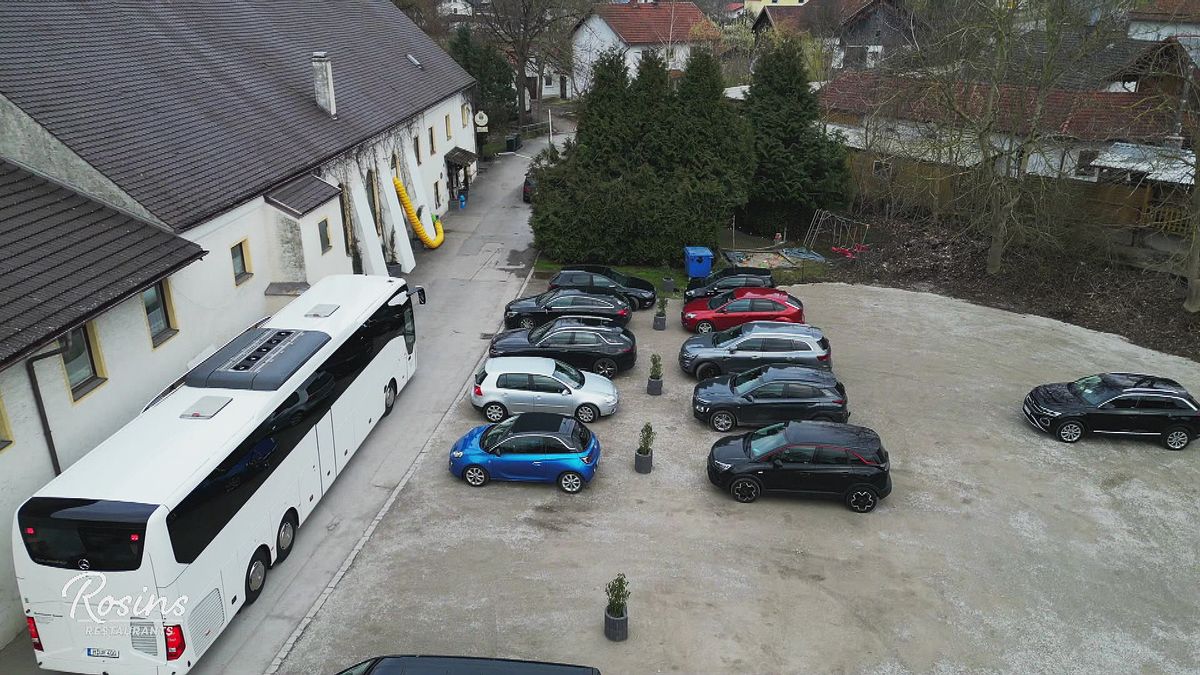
(1000, 550)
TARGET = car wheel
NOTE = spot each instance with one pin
(525, 323)
(707, 370)
(605, 367)
(1176, 438)
(862, 499)
(389, 398)
(570, 482)
(1069, 431)
(745, 490)
(722, 421)
(704, 327)
(285, 536)
(256, 574)
(475, 475)
(587, 413)
(494, 412)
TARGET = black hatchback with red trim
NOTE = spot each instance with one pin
(809, 459)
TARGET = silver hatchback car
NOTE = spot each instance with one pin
(516, 384)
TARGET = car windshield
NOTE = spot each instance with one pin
(497, 433)
(766, 440)
(727, 336)
(740, 384)
(1093, 389)
(568, 373)
(536, 334)
(720, 299)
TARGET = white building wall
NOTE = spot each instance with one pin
(1160, 30)
(594, 36)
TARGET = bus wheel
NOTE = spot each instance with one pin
(389, 397)
(285, 537)
(256, 574)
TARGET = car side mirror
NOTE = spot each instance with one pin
(777, 463)
(566, 392)
(421, 294)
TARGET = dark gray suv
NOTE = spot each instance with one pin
(754, 344)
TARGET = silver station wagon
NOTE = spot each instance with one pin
(516, 384)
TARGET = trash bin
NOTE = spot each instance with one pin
(512, 142)
(697, 261)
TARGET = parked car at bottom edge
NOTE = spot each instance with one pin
(1123, 404)
(604, 350)
(733, 308)
(770, 394)
(602, 280)
(753, 344)
(516, 384)
(461, 665)
(733, 270)
(531, 448)
(528, 188)
(727, 283)
(538, 309)
(812, 459)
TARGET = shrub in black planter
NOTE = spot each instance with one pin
(616, 615)
(643, 459)
(654, 386)
(660, 315)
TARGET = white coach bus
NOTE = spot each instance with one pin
(137, 557)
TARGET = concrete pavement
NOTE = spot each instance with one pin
(482, 264)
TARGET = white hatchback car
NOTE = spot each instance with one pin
(516, 384)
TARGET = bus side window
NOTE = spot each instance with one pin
(410, 327)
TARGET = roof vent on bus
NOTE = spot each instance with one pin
(260, 359)
(206, 407)
(321, 311)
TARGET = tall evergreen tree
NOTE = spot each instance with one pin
(799, 169)
(494, 84)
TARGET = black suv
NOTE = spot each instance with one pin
(728, 282)
(769, 394)
(538, 309)
(602, 350)
(814, 459)
(1127, 404)
(639, 293)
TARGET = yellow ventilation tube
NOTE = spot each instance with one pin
(439, 236)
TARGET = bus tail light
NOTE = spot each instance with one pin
(33, 634)
(175, 643)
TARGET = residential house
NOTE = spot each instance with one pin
(856, 34)
(754, 8)
(171, 173)
(671, 28)
(1161, 19)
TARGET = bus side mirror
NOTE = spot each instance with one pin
(421, 294)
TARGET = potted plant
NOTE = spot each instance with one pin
(643, 459)
(616, 615)
(654, 386)
(660, 315)
(668, 285)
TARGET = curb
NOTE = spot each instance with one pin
(286, 649)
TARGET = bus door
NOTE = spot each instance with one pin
(326, 451)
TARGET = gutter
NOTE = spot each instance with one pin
(41, 406)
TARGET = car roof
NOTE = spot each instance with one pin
(836, 433)
(546, 423)
(781, 328)
(757, 292)
(580, 291)
(471, 665)
(533, 365)
(583, 323)
(790, 373)
(1145, 382)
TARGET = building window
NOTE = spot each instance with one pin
(417, 148)
(547, 80)
(437, 194)
(241, 262)
(323, 233)
(881, 169)
(432, 143)
(158, 313)
(373, 200)
(466, 113)
(6, 437)
(448, 129)
(395, 165)
(80, 362)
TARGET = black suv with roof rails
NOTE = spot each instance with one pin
(769, 394)
(538, 309)
(604, 350)
(1124, 404)
(813, 459)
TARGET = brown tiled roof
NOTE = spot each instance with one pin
(65, 258)
(814, 15)
(1085, 115)
(655, 23)
(1183, 11)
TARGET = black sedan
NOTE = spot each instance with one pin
(538, 309)
(602, 350)
(462, 665)
(728, 283)
(812, 459)
(725, 272)
(770, 394)
(639, 293)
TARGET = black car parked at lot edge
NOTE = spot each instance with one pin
(639, 293)
(727, 283)
(1123, 404)
(770, 394)
(602, 350)
(812, 459)
(538, 309)
(727, 272)
(462, 665)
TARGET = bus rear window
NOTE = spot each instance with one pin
(84, 534)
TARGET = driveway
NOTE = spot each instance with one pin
(999, 550)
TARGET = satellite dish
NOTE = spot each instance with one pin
(481, 119)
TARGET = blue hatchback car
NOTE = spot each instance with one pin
(530, 447)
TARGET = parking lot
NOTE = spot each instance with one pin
(999, 550)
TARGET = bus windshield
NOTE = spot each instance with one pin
(87, 534)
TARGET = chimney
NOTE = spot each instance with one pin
(323, 82)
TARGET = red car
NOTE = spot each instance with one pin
(736, 307)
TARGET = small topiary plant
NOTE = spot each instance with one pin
(618, 595)
(662, 307)
(646, 440)
(655, 367)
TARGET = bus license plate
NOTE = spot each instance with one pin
(102, 653)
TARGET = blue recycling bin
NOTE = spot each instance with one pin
(697, 261)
